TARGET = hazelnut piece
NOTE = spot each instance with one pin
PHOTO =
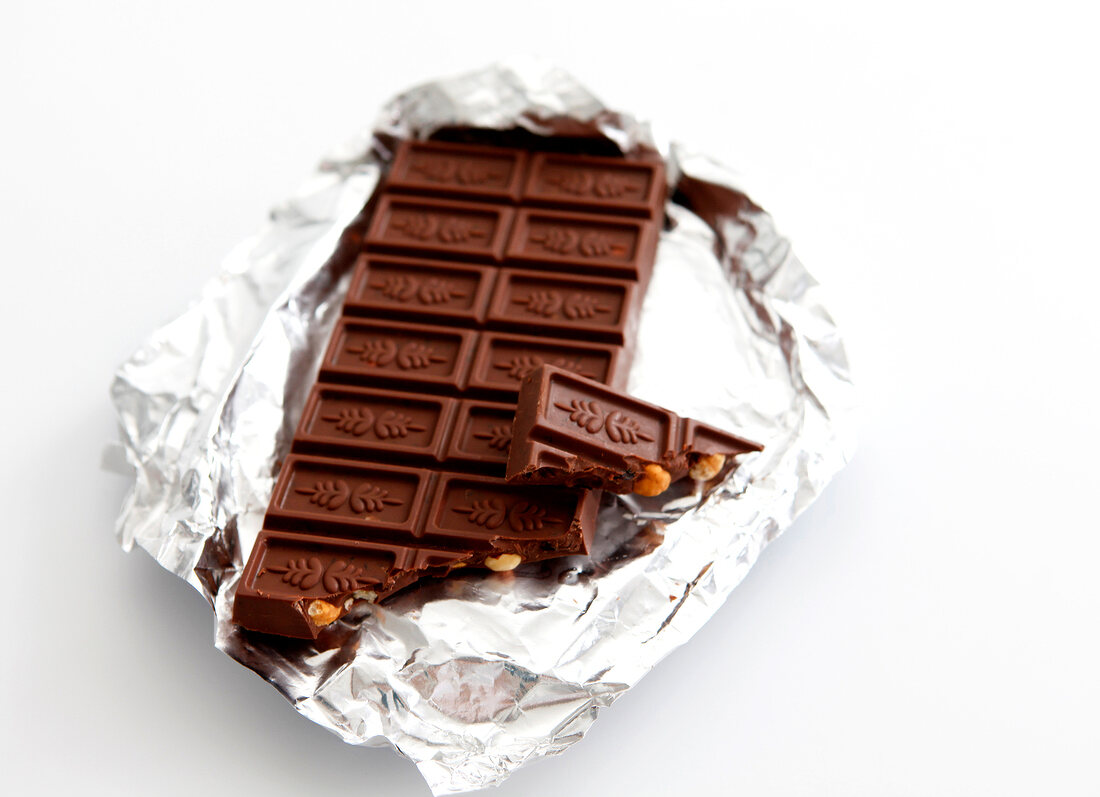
(506, 561)
(707, 467)
(654, 481)
(322, 612)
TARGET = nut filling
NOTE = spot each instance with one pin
(654, 481)
(323, 613)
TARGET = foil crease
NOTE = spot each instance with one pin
(472, 676)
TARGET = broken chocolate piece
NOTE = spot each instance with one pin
(295, 584)
(572, 431)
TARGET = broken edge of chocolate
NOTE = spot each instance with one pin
(572, 431)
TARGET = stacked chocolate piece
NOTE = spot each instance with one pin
(481, 264)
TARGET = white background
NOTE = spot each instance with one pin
(929, 627)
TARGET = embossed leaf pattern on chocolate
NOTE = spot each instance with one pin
(611, 186)
(341, 576)
(338, 576)
(624, 429)
(590, 416)
(498, 437)
(525, 516)
(450, 170)
(375, 352)
(544, 303)
(356, 421)
(404, 288)
(577, 183)
(586, 414)
(565, 242)
(368, 497)
(488, 513)
(520, 366)
(597, 244)
(303, 573)
(421, 226)
(523, 365)
(572, 365)
(329, 494)
(439, 170)
(557, 240)
(395, 424)
(458, 231)
(583, 305)
(399, 287)
(415, 355)
(438, 291)
(360, 420)
(470, 173)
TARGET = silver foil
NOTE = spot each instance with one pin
(474, 675)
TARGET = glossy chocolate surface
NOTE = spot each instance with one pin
(439, 228)
(485, 174)
(408, 506)
(594, 184)
(370, 424)
(416, 357)
(448, 361)
(586, 244)
(506, 299)
(411, 289)
(584, 308)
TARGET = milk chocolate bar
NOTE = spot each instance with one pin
(396, 470)
(573, 431)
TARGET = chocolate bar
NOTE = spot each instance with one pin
(397, 467)
(572, 431)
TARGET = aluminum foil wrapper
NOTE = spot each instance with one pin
(474, 675)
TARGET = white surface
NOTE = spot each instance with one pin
(929, 627)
